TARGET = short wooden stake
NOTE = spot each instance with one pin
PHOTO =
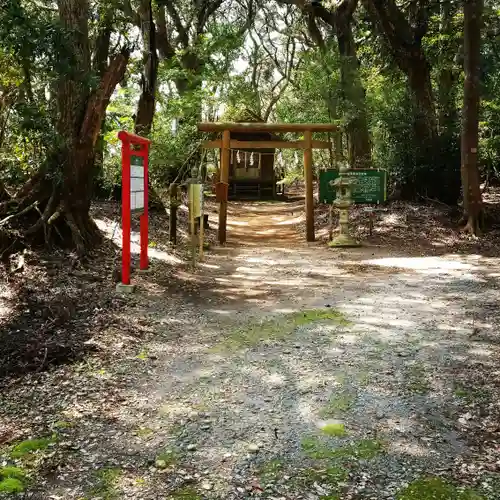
(174, 205)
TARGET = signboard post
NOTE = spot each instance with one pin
(195, 199)
(370, 186)
(135, 162)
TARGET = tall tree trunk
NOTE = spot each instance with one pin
(354, 94)
(61, 190)
(340, 20)
(447, 117)
(146, 106)
(472, 199)
(405, 43)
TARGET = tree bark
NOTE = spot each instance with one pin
(473, 206)
(146, 106)
(62, 188)
(447, 117)
(353, 92)
(405, 43)
(352, 89)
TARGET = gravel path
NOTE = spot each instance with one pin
(278, 370)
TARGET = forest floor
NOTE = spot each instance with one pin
(277, 369)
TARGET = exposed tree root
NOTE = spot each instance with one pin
(474, 224)
(42, 218)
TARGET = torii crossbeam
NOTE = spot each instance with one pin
(307, 144)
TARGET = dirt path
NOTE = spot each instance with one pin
(280, 370)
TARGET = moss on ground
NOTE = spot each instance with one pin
(28, 448)
(27, 455)
(166, 459)
(270, 470)
(472, 394)
(276, 328)
(363, 449)
(144, 432)
(106, 483)
(12, 480)
(435, 488)
(330, 476)
(416, 379)
(334, 429)
(11, 485)
(186, 493)
(338, 404)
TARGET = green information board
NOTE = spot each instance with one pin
(371, 185)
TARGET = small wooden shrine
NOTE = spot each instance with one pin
(227, 145)
(251, 169)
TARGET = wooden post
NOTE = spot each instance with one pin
(308, 176)
(174, 204)
(224, 177)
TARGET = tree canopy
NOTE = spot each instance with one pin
(413, 84)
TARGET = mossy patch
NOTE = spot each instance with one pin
(186, 493)
(143, 355)
(166, 459)
(338, 404)
(62, 424)
(363, 449)
(271, 469)
(331, 476)
(28, 448)
(12, 479)
(472, 394)
(276, 328)
(144, 432)
(11, 485)
(416, 379)
(106, 485)
(435, 488)
(334, 429)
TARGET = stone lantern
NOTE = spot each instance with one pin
(344, 186)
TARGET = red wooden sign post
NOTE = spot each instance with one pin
(135, 156)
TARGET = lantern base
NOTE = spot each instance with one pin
(344, 240)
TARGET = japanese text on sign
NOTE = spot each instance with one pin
(136, 183)
(370, 187)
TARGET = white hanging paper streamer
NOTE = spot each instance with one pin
(238, 157)
(251, 159)
(260, 160)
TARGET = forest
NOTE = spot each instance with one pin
(231, 350)
(413, 86)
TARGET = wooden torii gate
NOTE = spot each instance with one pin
(307, 144)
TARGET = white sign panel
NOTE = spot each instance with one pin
(136, 187)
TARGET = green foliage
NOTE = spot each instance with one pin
(106, 486)
(12, 479)
(214, 75)
(435, 488)
(11, 485)
(27, 448)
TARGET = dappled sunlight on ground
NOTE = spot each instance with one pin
(229, 372)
